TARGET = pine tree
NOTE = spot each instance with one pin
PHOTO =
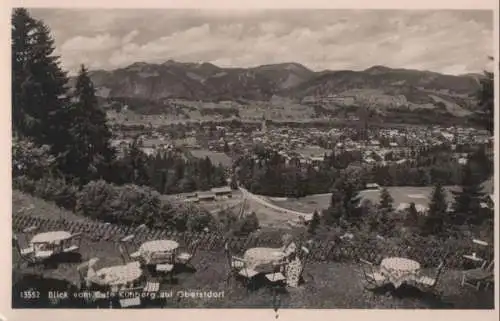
(437, 214)
(39, 92)
(344, 203)
(314, 223)
(90, 153)
(467, 207)
(412, 218)
(138, 162)
(333, 214)
(386, 201)
(486, 101)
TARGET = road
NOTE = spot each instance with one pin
(262, 201)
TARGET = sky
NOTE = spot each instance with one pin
(446, 41)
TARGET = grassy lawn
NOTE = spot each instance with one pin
(327, 284)
(25, 204)
(401, 195)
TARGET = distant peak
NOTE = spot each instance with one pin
(378, 68)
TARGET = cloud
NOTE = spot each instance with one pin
(101, 42)
(445, 41)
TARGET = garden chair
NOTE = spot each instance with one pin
(151, 290)
(135, 255)
(30, 229)
(25, 253)
(480, 276)
(167, 265)
(277, 278)
(151, 287)
(373, 277)
(247, 274)
(77, 238)
(123, 253)
(305, 254)
(238, 267)
(184, 258)
(430, 282)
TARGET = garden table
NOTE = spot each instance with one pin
(147, 249)
(261, 259)
(50, 241)
(399, 270)
(51, 237)
(118, 275)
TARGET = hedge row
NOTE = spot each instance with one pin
(427, 252)
(129, 205)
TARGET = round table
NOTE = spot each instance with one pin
(399, 270)
(258, 256)
(147, 249)
(118, 275)
(51, 237)
(159, 246)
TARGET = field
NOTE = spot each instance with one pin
(327, 285)
(402, 195)
(215, 157)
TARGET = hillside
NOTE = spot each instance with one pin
(153, 86)
(194, 81)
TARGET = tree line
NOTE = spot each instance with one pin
(267, 172)
(469, 210)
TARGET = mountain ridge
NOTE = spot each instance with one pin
(377, 86)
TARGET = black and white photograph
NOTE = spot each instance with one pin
(253, 159)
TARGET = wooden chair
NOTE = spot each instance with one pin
(151, 287)
(167, 263)
(238, 267)
(123, 253)
(372, 275)
(150, 291)
(25, 253)
(477, 277)
(277, 278)
(247, 274)
(135, 255)
(184, 258)
(430, 282)
(305, 255)
(77, 237)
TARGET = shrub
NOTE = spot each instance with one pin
(31, 160)
(94, 200)
(249, 224)
(128, 204)
(50, 189)
(135, 205)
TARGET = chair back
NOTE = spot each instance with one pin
(122, 253)
(15, 243)
(77, 237)
(490, 266)
(227, 252)
(440, 269)
(193, 247)
(367, 268)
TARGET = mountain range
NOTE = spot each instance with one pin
(378, 86)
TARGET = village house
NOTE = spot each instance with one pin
(206, 196)
(222, 192)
